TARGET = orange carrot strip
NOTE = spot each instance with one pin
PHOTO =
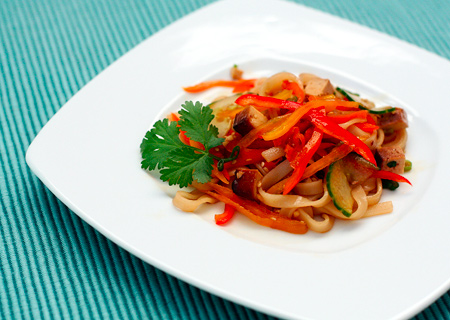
(249, 83)
(334, 155)
(219, 174)
(173, 117)
(256, 212)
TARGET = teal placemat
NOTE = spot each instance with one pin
(52, 264)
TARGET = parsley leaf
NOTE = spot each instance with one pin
(185, 165)
(195, 120)
(177, 162)
(158, 143)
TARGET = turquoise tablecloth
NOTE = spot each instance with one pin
(52, 264)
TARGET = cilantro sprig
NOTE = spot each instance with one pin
(177, 162)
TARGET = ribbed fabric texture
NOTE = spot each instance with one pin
(52, 264)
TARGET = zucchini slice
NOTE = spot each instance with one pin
(339, 188)
(355, 97)
(378, 111)
(350, 170)
(346, 94)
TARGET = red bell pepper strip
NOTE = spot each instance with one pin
(266, 102)
(326, 145)
(362, 114)
(296, 90)
(272, 164)
(283, 140)
(367, 127)
(370, 119)
(240, 85)
(301, 160)
(245, 157)
(293, 143)
(382, 174)
(321, 152)
(224, 217)
(325, 124)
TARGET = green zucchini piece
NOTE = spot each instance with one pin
(339, 188)
(345, 93)
(378, 111)
(352, 169)
(355, 97)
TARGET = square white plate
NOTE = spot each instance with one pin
(385, 267)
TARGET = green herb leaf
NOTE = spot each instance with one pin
(180, 163)
(186, 164)
(195, 119)
(158, 144)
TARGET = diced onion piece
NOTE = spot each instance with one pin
(273, 153)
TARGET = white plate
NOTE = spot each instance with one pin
(386, 267)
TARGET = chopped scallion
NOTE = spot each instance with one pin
(389, 184)
(392, 164)
(408, 165)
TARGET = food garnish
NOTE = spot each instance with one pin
(180, 163)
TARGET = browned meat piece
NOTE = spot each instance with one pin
(315, 86)
(248, 119)
(246, 183)
(319, 87)
(391, 159)
(236, 73)
(395, 120)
